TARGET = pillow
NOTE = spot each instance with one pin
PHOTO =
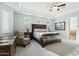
(44, 30)
(40, 30)
(37, 30)
(18, 34)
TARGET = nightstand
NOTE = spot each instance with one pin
(28, 34)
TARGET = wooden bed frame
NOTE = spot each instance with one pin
(38, 26)
(41, 26)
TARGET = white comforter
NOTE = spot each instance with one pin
(37, 35)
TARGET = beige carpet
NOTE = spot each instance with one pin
(61, 48)
(33, 49)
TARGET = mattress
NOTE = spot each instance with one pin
(38, 35)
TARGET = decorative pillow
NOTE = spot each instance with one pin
(37, 30)
(17, 33)
(40, 30)
(44, 30)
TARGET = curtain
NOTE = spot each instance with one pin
(5, 21)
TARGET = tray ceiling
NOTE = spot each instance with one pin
(42, 8)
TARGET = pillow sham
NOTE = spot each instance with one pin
(40, 30)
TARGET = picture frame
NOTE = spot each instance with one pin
(60, 25)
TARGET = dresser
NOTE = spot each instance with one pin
(7, 47)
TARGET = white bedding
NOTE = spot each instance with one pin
(37, 35)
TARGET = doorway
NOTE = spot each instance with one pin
(72, 28)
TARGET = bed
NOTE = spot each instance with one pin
(43, 36)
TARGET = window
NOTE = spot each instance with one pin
(5, 21)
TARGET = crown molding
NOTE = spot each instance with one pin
(70, 13)
(19, 9)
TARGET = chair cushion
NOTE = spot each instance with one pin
(18, 34)
(26, 38)
(21, 34)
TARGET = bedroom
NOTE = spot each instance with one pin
(26, 16)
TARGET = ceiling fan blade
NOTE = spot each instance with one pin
(61, 5)
(50, 9)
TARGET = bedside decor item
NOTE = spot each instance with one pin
(27, 31)
(27, 28)
(60, 25)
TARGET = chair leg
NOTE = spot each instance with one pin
(24, 46)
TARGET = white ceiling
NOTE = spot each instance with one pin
(42, 8)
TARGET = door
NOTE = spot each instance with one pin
(72, 34)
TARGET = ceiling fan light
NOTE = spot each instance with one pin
(55, 8)
(58, 9)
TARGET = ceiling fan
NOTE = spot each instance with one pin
(57, 6)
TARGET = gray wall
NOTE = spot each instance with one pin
(64, 33)
(21, 21)
(66, 18)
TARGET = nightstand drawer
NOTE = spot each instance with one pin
(5, 50)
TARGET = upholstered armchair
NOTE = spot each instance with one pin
(21, 39)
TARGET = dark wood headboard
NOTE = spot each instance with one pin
(38, 26)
